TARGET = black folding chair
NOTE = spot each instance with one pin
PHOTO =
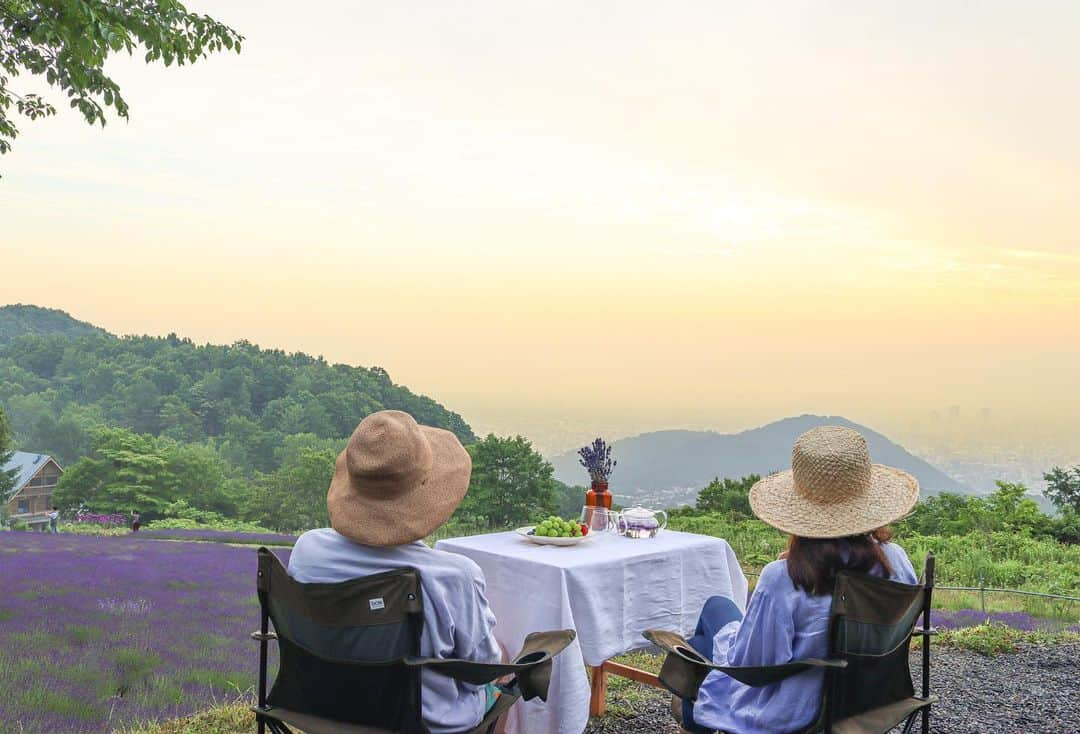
(868, 688)
(349, 656)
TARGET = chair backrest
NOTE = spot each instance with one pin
(343, 645)
(871, 623)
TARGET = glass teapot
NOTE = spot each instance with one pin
(639, 522)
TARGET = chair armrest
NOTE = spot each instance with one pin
(531, 666)
(684, 669)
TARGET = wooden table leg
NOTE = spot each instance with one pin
(598, 691)
(598, 687)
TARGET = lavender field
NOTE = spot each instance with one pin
(100, 632)
(96, 632)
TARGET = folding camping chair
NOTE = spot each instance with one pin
(349, 656)
(868, 687)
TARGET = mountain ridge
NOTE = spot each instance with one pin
(20, 319)
(670, 466)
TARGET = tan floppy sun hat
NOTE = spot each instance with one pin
(832, 489)
(396, 481)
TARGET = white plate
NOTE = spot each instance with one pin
(544, 540)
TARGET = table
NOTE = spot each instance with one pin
(610, 589)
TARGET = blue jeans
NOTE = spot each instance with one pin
(718, 611)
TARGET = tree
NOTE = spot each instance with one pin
(127, 471)
(66, 42)
(1014, 511)
(511, 484)
(1064, 488)
(293, 497)
(569, 499)
(124, 472)
(730, 496)
(7, 450)
(947, 513)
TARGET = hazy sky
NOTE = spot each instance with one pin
(595, 216)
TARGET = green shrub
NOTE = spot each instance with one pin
(994, 638)
(229, 526)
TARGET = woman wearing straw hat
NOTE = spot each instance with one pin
(394, 484)
(835, 505)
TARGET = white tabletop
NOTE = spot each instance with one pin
(609, 588)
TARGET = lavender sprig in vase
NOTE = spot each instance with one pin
(596, 458)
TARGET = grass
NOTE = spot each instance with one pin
(995, 639)
(624, 696)
(230, 718)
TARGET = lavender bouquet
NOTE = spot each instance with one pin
(596, 458)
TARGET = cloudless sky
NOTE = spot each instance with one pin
(594, 216)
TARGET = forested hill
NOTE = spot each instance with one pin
(60, 379)
(19, 320)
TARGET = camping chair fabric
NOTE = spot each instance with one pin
(868, 688)
(349, 655)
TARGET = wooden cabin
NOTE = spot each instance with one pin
(36, 476)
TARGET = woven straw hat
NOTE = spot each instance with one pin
(396, 481)
(832, 489)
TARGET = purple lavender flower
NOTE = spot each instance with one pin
(121, 629)
(108, 521)
(596, 458)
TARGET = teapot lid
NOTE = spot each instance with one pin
(639, 511)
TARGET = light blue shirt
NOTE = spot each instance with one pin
(457, 620)
(782, 624)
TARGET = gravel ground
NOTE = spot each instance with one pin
(1035, 691)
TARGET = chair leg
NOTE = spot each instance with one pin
(909, 724)
(279, 727)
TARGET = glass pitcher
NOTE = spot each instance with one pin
(640, 522)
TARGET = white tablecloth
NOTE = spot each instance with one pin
(609, 588)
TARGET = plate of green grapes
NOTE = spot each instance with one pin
(555, 531)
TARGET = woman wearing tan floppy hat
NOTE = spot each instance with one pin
(394, 484)
(835, 505)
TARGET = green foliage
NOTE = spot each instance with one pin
(754, 542)
(511, 483)
(730, 496)
(220, 524)
(88, 528)
(994, 638)
(7, 449)
(67, 42)
(18, 320)
(1006, 558)
(245, 401)
(1064, 488)
(1006, 510)
(126, 471)
(230, 718)
(569, 499)
(1003, 559)
(293, 496)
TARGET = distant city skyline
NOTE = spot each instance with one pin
(605, 218)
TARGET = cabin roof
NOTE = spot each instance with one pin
(26, 465)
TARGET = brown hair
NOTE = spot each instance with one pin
(813, 562)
